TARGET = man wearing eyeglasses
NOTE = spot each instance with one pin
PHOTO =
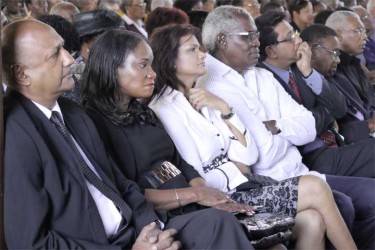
(134, 12)
(276, 122)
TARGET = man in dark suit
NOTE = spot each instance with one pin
(284, 54)
(288, 58)
(61, 190)
(358, 122)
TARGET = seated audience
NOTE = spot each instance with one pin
(60, 189)
(332, 4)
(164, 15)
(350, 76)
(284, 54)
(138, 143)
(271, 6)
(66, 10)
(301, 13)
(277, 123)
(65, 29)
(89, 26)
(211, 138)
(357, 124)
(318, 6)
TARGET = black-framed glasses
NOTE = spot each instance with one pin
(251, 35)
(292, 38)
(334, 52)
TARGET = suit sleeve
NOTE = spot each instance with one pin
(26, 201)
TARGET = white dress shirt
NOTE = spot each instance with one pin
(109, 214)
(205, 140)
(256, 97)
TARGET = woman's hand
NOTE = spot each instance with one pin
(210, 197)
(151, 237)
(199, 97)
(245, 169)
(233, 207)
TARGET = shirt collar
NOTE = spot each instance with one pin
(283, 74)
(47, 112)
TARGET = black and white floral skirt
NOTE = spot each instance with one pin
(281, 197)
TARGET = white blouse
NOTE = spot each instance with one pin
(205, 141)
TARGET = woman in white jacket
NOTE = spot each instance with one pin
(210, 137)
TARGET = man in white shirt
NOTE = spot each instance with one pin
(277, 123)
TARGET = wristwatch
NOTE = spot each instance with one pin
(228, 116)
(278, 130)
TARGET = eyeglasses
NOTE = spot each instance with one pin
(251, 35)
(291, 38)
(366, 17)
(359, 30)
(142, 5)
(334, 52)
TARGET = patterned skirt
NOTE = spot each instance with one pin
(281, 197)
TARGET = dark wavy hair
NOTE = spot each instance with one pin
(165, 43)
(99, 84)
(267, 36)
(162, 16)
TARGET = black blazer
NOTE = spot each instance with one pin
(46, 200)
(326, 107)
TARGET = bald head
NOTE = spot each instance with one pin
(66, 10)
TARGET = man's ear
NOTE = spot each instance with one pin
(221, 40)
(339, 35)
(20, 75)
(270, 52)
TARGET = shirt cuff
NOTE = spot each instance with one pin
(315, 82)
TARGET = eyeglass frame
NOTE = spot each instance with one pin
(251, 35)
(291, 39)
(141, 5)
(336, 53)
(361, 30)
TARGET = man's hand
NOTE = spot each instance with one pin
(304, 59)
(151, 237)
(371, 124)
(245, 169)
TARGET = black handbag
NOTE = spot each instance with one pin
(267, 229)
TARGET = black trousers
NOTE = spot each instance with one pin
(209, 229)
(357, 159)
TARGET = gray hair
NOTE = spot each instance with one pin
(338, 19)
(221, 20)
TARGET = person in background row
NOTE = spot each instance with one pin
(66, 10)
(14, 10)
(134, 12)
(37, 7)
(252, 6)
(322, 16)
(161, 3)
(65, 29)
(301, 13)
(208, 5)
(188, 5)
(89, 26)
(164, 15)
(113, 5)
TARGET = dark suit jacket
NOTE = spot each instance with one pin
(359, 92)
(326, 107)
(47, 203)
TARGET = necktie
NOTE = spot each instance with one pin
(89, 174)
(294, 88)
(327, 136)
